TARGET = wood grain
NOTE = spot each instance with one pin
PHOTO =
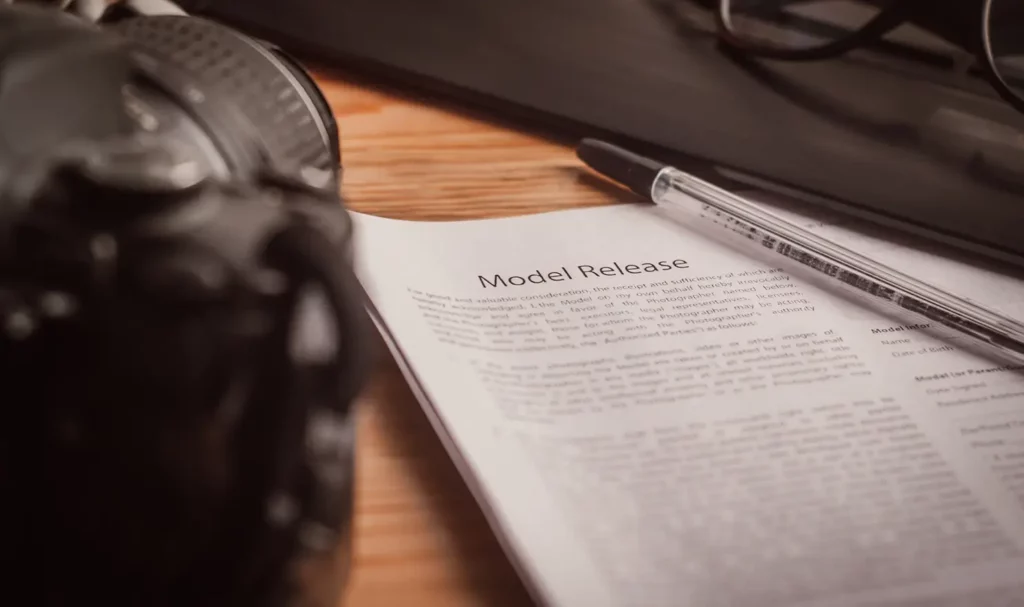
(420, 539)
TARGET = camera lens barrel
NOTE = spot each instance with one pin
(260, 92)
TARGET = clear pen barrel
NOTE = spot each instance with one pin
(744, 225)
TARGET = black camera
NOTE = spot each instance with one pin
(182, 335)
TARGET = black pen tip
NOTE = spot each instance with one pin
(631, 170)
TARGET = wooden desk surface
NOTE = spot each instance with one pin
(420, 539)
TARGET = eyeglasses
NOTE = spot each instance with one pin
(805, 30)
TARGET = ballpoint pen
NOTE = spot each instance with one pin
(730, 218)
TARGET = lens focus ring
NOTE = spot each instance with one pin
(283, 107)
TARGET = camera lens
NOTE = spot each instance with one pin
(253, 103)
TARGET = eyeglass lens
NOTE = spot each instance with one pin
(1005, 29)
(797, 25)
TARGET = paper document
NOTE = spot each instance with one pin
(651, 419)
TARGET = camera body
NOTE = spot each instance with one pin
(182, 337)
